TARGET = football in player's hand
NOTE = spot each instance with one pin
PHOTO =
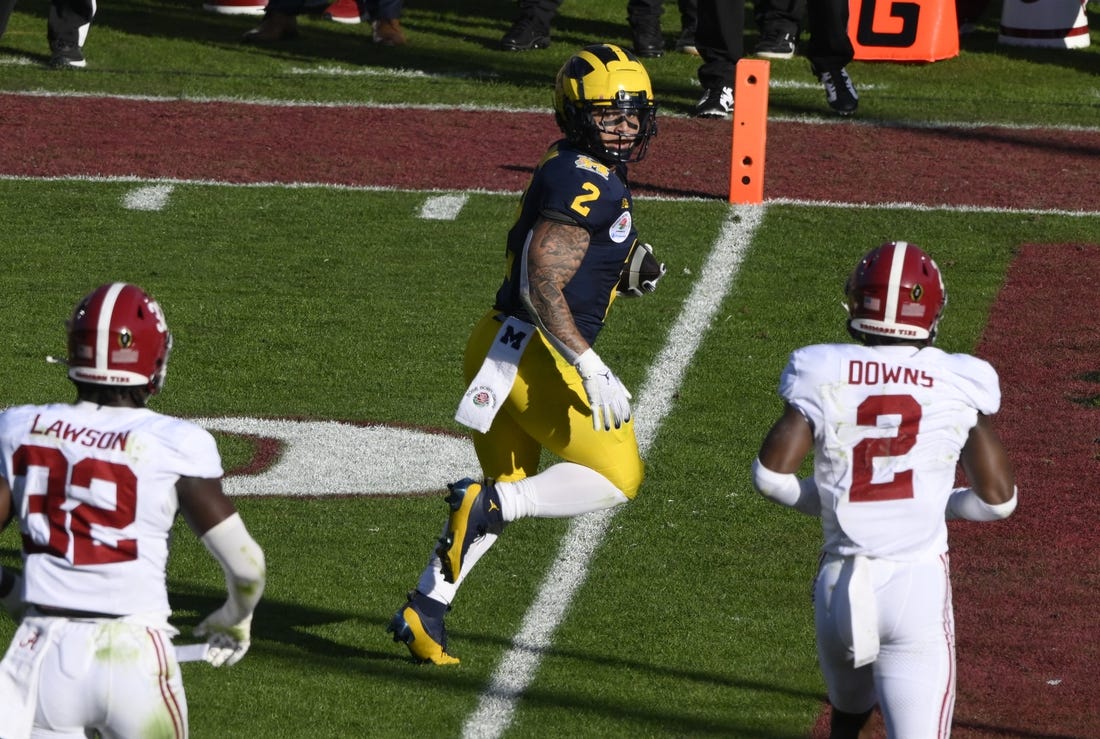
(641, 271)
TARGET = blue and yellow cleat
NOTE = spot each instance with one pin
(475, 509)
(419, 624)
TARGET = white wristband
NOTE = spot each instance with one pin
(786, 489)
(589, 363)
(964, 503)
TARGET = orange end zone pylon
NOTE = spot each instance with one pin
(750, 127)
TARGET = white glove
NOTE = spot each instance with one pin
(228, 641)
(607, 396)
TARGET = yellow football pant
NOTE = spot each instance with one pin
(547, 409)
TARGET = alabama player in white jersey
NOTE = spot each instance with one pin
(888, 420)
(95, 486)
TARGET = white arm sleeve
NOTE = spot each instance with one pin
(243, 561)
(964, 503)
(786, 489)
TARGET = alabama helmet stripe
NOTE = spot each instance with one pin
(103, 330)
(894, 290)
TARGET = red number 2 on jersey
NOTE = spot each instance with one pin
(864, 453)
(72, 519)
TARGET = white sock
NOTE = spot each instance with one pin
(561, 491)
(431, 581)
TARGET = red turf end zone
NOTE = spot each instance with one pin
(1027, 590)
(450, 150)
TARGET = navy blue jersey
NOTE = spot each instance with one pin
(571, 185)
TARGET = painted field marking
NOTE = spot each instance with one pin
(443, 207)
(328, 70)
(497, 704)
(339, 458)
(152, 197)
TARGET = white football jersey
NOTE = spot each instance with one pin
(95, 492)
(889, 423)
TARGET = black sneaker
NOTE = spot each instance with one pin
(716, 102)
(686, 43)
(66, 56)
(840, 93)
(776, 45)
(648, 41)
(524, 36)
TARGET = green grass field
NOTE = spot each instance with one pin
(342, 304)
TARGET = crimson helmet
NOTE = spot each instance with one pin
(895, 293)
(118, 337)
(605, 77)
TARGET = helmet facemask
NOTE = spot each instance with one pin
(630, 122)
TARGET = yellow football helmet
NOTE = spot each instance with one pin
(608, 77)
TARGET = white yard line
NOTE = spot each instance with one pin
(520, 663)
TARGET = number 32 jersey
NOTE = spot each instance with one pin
(95, 492)
(889, 423)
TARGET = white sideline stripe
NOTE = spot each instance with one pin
(815, 119)
(154, 197)
(443, 207)
(328, 70)
(948, 207)
(944, 207)
(517, 668)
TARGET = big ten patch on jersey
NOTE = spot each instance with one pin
(587, 163)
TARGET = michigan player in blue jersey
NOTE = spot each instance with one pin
(535, 382)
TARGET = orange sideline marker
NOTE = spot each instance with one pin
(905, 30)
(750, 126)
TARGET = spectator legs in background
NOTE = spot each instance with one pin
(67, 28)
(720, 39)
(644, 17)
(6, 7)
(531, 29)
(280, 23)
(779, 22)
(386, 23)
(830, 51)
(689, 21)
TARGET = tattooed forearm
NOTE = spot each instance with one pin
(553, 257)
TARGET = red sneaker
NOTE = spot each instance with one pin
(235, 7)
(343, 11)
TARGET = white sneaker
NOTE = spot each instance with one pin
(717, 102)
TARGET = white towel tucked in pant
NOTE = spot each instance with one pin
(864, 611)
(493, 382)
